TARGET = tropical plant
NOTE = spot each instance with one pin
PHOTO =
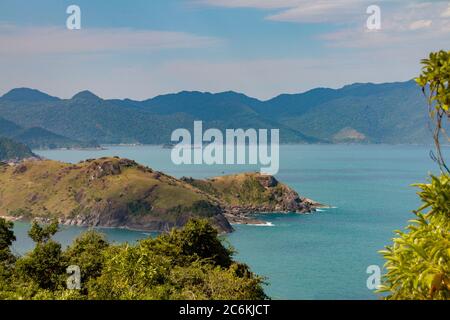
(418, 262)
(435, 83)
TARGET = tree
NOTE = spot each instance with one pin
(189, 263)
(41, 234)
(87, 252)
(418, 262)
(199, 240)
(435, 83)
(44, 265)
(6, 239)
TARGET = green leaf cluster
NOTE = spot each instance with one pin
(435, 83)
(418, 262)
(188, 263)
(436, 78)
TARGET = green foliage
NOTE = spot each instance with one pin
(43, 266)
(418, 263)
(87, 252)
(6, 239)
(6, 234)
(199, 240)
(21, 212)
(42, 234)
(190, 263)
(130, 272)
(435, 83)
(436, 76)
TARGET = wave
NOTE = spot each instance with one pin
(267, 224)
(324, 209)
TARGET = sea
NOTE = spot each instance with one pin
(324, 255)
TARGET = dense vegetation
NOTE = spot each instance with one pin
(189, 263)
(359, 112)
(11, 150)
(418, 263)
(39, 138)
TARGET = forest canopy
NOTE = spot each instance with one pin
(189, 263)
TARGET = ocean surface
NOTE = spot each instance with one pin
(319, 256)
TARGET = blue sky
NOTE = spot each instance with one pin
(140, 48)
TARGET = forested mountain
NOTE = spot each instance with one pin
(368, 113)
(39, 138)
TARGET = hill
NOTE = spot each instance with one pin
(8, 128)
(87, 117)
(113, 192)
(28, 95)
(241, 195)
(39, 138)
(361, 112)
(373, 113)
(11, 150)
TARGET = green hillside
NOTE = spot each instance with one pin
(394, 113)
(11, 150)
(113, 192)
(363, 113)
(38, 138)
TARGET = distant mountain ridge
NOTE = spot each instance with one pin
(361, 113)
(27, 95)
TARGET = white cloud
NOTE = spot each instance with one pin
(321, 11)
(301, 11)
(53, 40)
(420, 24)
(446, 13)
(400, 26)
(401, 20)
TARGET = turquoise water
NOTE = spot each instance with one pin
(319, 256)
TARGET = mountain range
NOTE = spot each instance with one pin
(363, 113)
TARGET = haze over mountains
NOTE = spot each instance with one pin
(365, 113)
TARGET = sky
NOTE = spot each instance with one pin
(139, 49)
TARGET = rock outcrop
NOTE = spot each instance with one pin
(243, 195)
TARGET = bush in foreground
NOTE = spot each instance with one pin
(189, 263)
(418, 263)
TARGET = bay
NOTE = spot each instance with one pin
(320, 256)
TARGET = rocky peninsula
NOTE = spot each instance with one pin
(120, 193)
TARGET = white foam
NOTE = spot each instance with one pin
(323, 209)
(267, 224)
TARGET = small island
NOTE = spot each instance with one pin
(120, 193)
